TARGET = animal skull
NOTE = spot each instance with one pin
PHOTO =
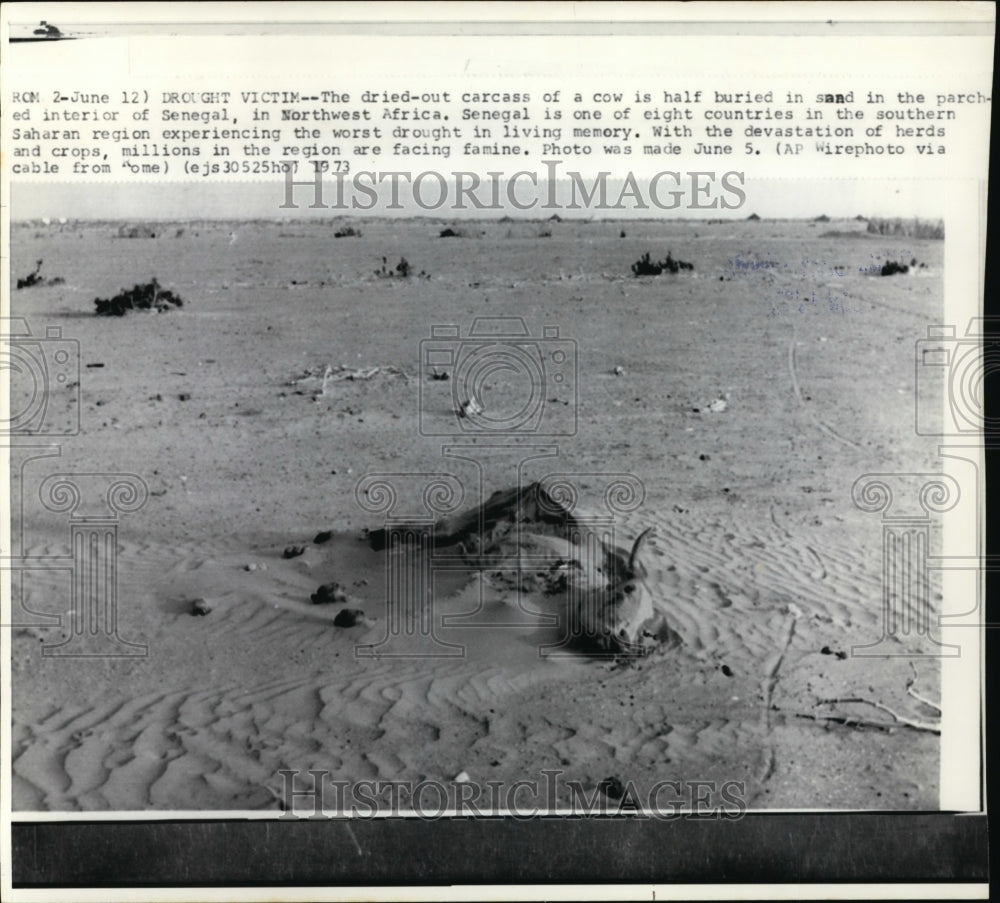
(617, 613)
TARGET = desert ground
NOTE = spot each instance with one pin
(764, 567)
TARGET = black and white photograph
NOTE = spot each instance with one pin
(398, 442)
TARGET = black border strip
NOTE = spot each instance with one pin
(801, 848)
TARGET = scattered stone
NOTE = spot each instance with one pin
(462, 777)
(250, 567)
(329, 593)
(704, 458)
(349, 617)
(293, 551)
(200, 607)
(402, 270)
(323, 536)
(470, 408)
(619, 371)
(727, 670)
(719, 405)
(184, 396)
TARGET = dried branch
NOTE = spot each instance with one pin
(915, 723)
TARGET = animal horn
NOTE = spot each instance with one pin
(635, 548)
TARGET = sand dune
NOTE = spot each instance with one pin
(765, 568)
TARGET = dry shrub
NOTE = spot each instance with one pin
(907, 228)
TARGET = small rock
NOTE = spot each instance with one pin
(329, 593)
(184, 396)
(612, 787)
(619, 371)
(470, 408)
(462, 777)
(349, 617)
(250, 567)
(727, 670)
(704, 458)
(323, 536)
(200, 607)
(293, 551)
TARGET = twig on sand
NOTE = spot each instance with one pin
(767, 686)
(798, 394)
(849, 721)
(922, 699)
(901, 720)
(331, 374)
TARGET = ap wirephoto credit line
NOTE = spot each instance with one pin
(518, 429)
